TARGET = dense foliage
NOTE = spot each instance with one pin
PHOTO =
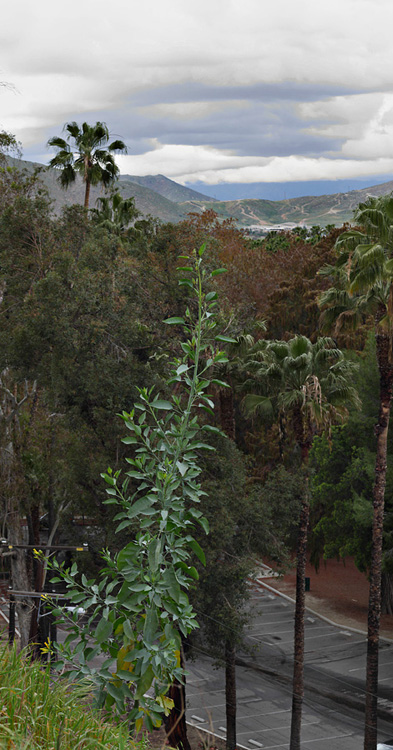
(82, 303)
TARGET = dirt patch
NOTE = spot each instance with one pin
(198, 739)
(338, 591)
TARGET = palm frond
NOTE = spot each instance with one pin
(118, 146)
(369, 254)
(299, 345)
(253, 405)
(361, 280)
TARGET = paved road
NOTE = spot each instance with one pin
(333, 655)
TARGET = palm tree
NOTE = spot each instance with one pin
(364, 288)
(115, 213)
(309, 385)
(86, 150)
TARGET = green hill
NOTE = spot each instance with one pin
(311, 209)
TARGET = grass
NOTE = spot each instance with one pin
(38, 713)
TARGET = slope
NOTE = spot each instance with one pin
(167, 188)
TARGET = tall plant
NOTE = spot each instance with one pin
(139, 609)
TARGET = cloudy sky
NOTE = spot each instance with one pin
(210, 93)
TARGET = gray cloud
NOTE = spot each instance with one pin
(210, 91)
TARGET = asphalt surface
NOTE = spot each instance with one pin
(334, 677)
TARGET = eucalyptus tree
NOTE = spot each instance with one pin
(86, 150)
(308, 385)
(363, 276)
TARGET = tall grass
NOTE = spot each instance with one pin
(40, 713)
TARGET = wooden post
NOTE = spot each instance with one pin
(11, 623)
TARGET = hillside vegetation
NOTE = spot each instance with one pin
(162, 198)
(38, 712)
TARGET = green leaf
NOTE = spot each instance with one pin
(221, 383)
(145, 682)
(203, 446)
(202, 249)
(129, 440)
(122, 525)
(155, 554)
(151, 625)
(114, 691)
(193, 573)
(172, 585)
(226, 339)
(142, 506)
(218, 271)
(175, 321)
(109, 480)
(103, 630)
(210, 296)
(211, 428)
(128, 631)
(197, 549)
(182, 467)
(160, 404)
(204, 523)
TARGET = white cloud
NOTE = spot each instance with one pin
(364, 122)
(212, 166)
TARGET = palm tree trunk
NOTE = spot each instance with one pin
(384, 347)
(87, 194)
(298, 666)
(230, 693)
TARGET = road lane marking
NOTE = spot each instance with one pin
(279, 729)
(253, 635)
(319, 739)
(271, 713)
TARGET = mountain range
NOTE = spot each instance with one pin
(160, 197)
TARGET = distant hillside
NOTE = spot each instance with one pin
(166, 200)
(321, 209)
(167, 188)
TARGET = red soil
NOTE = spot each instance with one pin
(338, 591)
